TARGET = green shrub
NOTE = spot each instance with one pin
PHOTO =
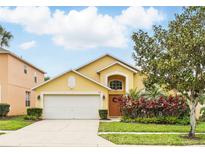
(4, 109)
(27, 117)
(37, 112)
(103, 114)
(157, 120)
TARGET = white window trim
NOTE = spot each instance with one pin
(116, 80)
(28, 96)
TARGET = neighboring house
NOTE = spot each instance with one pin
(17, 77)
(80, 93)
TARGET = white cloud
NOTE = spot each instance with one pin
(138, 17)
(81, 29)
(27, 45)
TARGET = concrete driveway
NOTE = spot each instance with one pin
(56, 133)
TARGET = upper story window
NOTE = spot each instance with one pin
(35, 78)
(25, 69)
(116, 85)
(28, 101)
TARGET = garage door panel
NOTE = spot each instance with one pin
(71, 106)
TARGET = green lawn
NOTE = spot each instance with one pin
(14, 123)
(153, 139)
(137, 127)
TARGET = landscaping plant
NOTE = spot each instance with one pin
(4, 109)
(34, 112)
(174, 57)
(153, 92)
(164, 109)
(103, 114)
(134, 94)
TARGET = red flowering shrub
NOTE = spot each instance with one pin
(172, 106)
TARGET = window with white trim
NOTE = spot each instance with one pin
(25, 69)
(115, 85)
(28, 101)
(35, 77)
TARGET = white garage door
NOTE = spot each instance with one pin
(71, 106)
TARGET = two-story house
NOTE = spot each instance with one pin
(17, 77)
(80, 93)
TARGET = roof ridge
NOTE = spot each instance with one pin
(120, 63)
(71, 70)
(90, 79)
(20, 58)
(107, 54)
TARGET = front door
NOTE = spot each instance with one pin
(114, 107)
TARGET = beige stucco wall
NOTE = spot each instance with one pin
(3, 78)
(60, 85)
(17, 83)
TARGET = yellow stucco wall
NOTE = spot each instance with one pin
(138, 81)
(135, 80)
(91, 69)
(61, 85)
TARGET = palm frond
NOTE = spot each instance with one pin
(134, 93)
(5, 37)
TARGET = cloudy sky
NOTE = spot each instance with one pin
(57, 39)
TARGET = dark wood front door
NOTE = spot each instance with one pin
(114, 107)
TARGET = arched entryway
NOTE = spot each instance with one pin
(117, 83)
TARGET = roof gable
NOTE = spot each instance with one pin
(80, 74)
(99, 58)
(119, 63)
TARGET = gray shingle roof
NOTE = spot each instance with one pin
(2, 50)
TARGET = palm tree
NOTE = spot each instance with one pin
(5, 37)
(154, 93)
(134, 94)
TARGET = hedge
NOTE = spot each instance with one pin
(4, 109)
(37, 112)
(157, 120)
(103, 114)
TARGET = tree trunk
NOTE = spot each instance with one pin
(193, 120)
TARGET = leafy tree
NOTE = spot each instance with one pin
(5, 37)
(175, 56)
(46, 78)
